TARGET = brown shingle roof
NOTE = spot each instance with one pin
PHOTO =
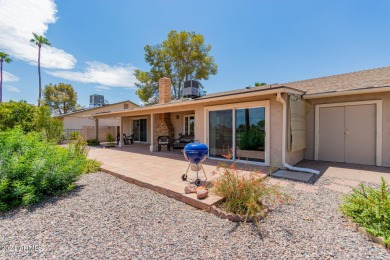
(372, 78)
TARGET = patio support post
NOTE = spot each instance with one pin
(97, 129)
(152, 132)
(121, 132)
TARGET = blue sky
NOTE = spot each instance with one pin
(97, 44)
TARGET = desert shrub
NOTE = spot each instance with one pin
(370, 208)
(31, 167)
(244, 194)
(92, 166)
(93, 142)
(74, 135)
(110, 138)
(79, 147)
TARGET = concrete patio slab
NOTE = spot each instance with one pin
(348, 171)
(293, 175)
(158, 171)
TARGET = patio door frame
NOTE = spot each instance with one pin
(234, 107)
(378, 105)
(132, 127)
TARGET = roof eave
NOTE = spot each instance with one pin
(152, 109)
(347, 92)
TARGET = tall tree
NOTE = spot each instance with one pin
(3, 58)
(39, 40)
(181, 57)
(61, 97)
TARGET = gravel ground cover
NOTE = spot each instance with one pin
(107, 218)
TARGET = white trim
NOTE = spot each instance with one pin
(234, 106)
(378, 104)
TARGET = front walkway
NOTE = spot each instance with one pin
(159, 171)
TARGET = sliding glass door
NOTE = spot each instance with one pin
(140, 130)
(220, 132)
(250, 134)
(240, 131)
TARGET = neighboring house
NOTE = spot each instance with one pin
(342, 118)
(81, 121)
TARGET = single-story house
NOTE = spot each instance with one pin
(341, 118)
(81, 121)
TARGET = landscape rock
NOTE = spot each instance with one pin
(201, 194)
(190, 189)
(113, 219)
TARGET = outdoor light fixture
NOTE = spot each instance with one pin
(177, 116)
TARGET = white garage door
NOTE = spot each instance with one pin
(348, 134)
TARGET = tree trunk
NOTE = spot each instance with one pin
(39, 75)
(1, 81)
(179, 90)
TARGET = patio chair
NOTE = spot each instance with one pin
(128, 139)
(182, 141)
(163, 141)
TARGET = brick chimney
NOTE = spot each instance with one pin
(164, 89)
(164, 125)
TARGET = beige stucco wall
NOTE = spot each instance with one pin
(276, 119)
(276, 123)
(80, 119)
(80, 122)
(127, 123)
(178, 123)
(385, 97)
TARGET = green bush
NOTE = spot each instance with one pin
(31, 167)
(93, 142)
(370, 208)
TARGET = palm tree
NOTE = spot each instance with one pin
(3, 58)
(39, 40)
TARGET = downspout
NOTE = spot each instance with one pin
(284, 140)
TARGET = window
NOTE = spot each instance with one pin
(189, 125)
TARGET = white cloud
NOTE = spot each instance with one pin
(103, 88)
(19, 19)
(12, 89)
(100, 73)
(8, 77)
